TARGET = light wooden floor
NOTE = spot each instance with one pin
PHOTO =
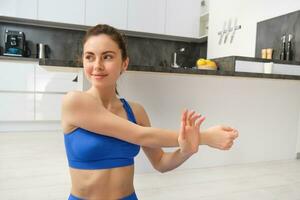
(33, 167)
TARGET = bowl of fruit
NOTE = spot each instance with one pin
(206, 64)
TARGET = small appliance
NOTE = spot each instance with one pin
(15, 44)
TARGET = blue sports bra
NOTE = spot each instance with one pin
(89, 150)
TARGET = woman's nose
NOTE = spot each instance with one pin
(99, 65)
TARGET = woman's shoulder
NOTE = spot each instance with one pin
(139, 113)
(79, 102)
(77, 98)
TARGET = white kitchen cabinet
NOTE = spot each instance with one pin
(16, 106)
(48, 106)
(286, 69)
(113, 12)
(183, 18)
(19, 8)
(258, 67)
(249, 66)
(66, 11)
(17, 76)
(146, 16)
(58, 79)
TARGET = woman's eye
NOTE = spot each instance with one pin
(89, 58)
(107, 57)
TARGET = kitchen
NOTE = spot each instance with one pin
(263, 106)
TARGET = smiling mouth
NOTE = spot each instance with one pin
(99, 76)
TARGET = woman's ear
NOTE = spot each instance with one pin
(125, 65)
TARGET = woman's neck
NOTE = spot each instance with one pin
(107, 97)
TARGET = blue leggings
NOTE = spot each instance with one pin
(130, 197)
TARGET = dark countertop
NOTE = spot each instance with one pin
(228, 63)
(223, 71)
(210, 72)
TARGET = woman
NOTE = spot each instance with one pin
(103, 133)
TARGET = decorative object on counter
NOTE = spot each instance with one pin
(174, 64)
(289, 52)
(264, 53)
(269, 53)
(283, 50)
(42, 51)
(206, 64)
(15, 44)
(268, 68)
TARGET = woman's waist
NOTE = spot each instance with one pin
(103, 182)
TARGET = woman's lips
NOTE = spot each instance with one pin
(99, 76)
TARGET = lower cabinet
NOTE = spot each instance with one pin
(30, 92)
(58, 79)
(16, 106)
(48, 106)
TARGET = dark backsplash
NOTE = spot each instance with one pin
(66, 45)
(269, 33)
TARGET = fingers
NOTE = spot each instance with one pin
(233, 134)
(227, 128)
(199, 122)
(228, 146)
(183, 123)
(192, 117)
(188, 119)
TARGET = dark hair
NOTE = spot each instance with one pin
(114, 34)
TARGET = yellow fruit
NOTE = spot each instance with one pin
(201, 61)
(211, 63)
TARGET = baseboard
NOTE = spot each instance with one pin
(298, 155)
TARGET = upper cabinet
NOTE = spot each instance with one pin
(19, 8)
(66, 11)
(146, 16)
(183, 18)
(170, 17)
(113, 12)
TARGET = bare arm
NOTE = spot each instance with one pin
(220, 137)
(160, 160)
(82, 110)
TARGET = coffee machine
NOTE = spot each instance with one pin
(15, 44)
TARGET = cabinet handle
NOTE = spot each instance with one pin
(75, 79)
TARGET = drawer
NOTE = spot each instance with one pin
(16, 106)
(58, 79)
(248, 66)
(48, 106)
(286, 69)
(17, 75)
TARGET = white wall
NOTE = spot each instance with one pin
(248, 12)
(266, 112)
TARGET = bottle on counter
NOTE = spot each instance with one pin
(289, 52)
(283, 50)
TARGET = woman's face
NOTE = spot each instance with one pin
(102, 61)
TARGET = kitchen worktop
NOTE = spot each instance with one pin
(226, 67)
(228, 63)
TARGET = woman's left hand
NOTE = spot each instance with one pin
(189, 136)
